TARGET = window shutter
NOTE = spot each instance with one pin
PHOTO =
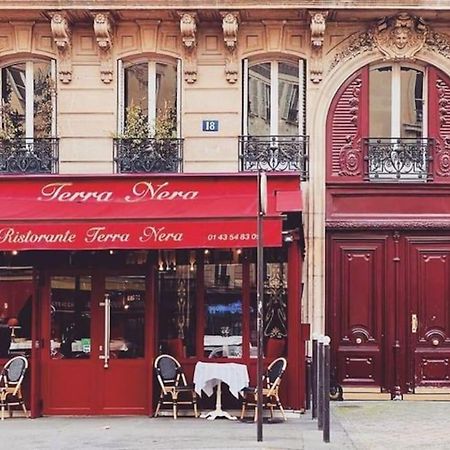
(439, 123)
(347, 125)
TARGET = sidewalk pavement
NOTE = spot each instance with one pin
(355, 425)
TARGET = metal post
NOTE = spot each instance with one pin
(308, 386)
(314, 378)
(326, 389)
(320, 392)
(260, 295)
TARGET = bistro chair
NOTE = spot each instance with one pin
(271, 384)
(11, 378)
(173, 384)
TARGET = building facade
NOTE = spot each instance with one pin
(131, 137)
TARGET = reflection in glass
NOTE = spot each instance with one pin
(127, 296)
(13, 100)
(412, 102)
(288, 98)
(166, 100)
(70, 306)
(43, 104)
(176, 294)
(136, 87)
(16, 290)
(259, 99)
(223, 310)
(380, 104)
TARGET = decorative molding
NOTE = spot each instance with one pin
(438, 43)
(275, 287)
(103, 29)
(350, 158)
(188, 29)
(442, 146)
(230, 26)
(62, 35)
(413, 224)
(318, 26)
(400, 36)
(23, 33)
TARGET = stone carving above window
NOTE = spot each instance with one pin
(230, 25)
(397, 37)
(103, 28)
(188, 29)
(62, 35)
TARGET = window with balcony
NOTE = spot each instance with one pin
(149, 117)
(274, 120)
(398, 146)
(28, 118)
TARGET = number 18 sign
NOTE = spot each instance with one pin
(210, 125)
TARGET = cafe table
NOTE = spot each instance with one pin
(208, 375)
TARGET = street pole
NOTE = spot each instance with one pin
(262, 199)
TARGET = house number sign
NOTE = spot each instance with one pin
(210, 125)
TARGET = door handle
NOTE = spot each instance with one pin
(106, 355)
(414, 323)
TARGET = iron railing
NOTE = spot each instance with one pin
(29, 155)
(274, 153)
(150, 155)
(398, 159)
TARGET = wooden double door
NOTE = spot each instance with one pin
(96, 343)
(388, 309)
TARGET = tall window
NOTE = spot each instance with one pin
(28, 105)
(149, 95)
(274, 98)
(396, 103)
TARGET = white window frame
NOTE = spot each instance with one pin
(29, 96)
(274, 112)
(151, 93)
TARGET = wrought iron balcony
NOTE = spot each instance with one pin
(274, 153)
(28, 155)
(151, 155)
(391, 159)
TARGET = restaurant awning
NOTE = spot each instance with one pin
(141, 211)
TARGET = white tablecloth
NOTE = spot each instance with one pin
(209, 375)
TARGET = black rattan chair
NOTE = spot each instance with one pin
(271, 384)
(174, 388)
(11, 378)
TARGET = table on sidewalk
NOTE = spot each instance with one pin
(209, 375)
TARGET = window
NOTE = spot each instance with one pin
(149, 99)
(274, 98)
(28, 107)
(396, 103)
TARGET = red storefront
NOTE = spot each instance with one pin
(174, 256)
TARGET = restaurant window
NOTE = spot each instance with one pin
(16, 290)
(28, 108)
(177, 283)
(70, 312)
(274, 98)
(149, 99)
(223, 284)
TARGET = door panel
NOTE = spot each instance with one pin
(429, 295)
(357, 293)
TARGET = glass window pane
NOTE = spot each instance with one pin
(380, 102)
(43, 105)
(288, 99)
(127, 295)
(13, 101)
(16, 290)
(412, 103)
(259, 99)
(136, 95)
(166, 101)
(223, 310)
(70, 310)
(177, 277)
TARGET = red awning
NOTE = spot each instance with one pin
(141, 211)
